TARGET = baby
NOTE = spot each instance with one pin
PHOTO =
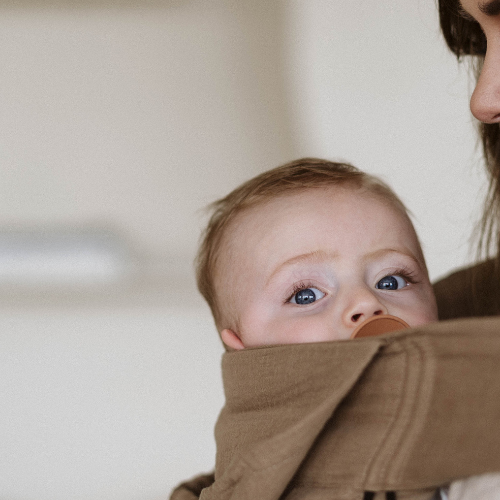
(308, 251)
(303, 254)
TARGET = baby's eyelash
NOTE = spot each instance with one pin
(406, 273)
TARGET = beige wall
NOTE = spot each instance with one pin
(137, 114)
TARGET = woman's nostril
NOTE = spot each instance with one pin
(376, 313)
(355, 317)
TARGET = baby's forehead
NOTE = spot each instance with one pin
(254, 218)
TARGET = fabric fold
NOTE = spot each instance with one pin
(406, 412)
(272, 416)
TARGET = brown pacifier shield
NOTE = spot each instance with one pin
(377, 325)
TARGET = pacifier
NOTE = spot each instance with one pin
(377, 325)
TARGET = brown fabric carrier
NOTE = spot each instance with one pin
(406, 412)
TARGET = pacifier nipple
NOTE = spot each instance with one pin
(377, 325)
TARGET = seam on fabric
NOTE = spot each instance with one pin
(396, 453)
(406, 421)
(385, 438)
(420, 404)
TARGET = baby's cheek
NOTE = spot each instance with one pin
(308, 329)
(278, 331)
(423, 314)
(429, 305)
(263, 326)
(416, 306)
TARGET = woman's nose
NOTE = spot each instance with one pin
(485, 100)
(362, 305)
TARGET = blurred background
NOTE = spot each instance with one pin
(119, 121)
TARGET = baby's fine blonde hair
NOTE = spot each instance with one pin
(298, 175)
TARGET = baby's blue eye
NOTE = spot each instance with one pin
(306, 296)
(391, 283)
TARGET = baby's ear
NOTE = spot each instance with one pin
(231, 339)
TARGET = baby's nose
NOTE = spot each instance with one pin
(364, 305)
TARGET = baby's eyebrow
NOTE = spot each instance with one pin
(383, 252)
(310, 257)
(322, 256)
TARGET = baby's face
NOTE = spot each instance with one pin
(312, 266)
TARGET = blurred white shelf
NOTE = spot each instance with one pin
(62, 257)
(96, 268)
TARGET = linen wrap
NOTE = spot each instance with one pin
(406, 412)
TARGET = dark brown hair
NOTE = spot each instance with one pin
(296, 176)
(465, 37)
